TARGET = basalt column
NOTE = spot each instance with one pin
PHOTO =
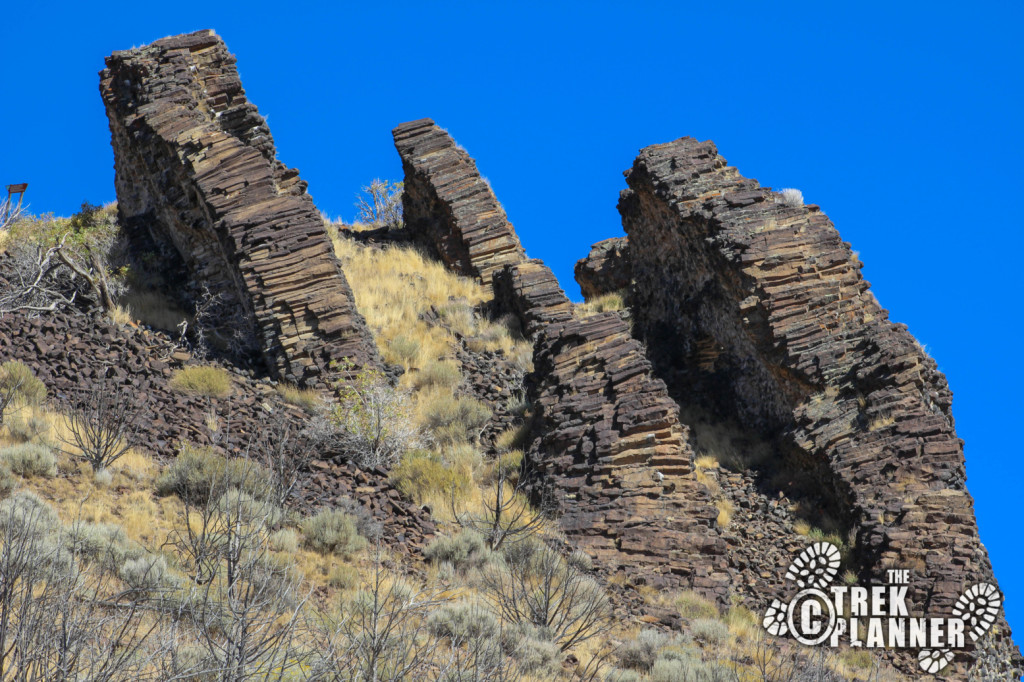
(609, 454)
(752, 304)
(448, 207)
(196, 167)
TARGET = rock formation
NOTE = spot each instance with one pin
(755, 307)
(606, 268)
(609, 453)
(449, 207)
(530, 291)
(196, 168)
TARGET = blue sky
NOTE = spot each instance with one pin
(902, 122)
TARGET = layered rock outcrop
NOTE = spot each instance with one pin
(609, 454)
(448, 207)
(755, 307)
(607, 268)
(196, 167)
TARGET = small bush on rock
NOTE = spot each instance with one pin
(203, 380)
(790, 197)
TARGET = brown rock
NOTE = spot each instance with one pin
(196, 168)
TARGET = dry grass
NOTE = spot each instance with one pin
(203, 380)
(395, 285)
(725, 510)
(307, 398)
(605, 303)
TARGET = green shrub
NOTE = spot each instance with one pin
(145, 573)
(421, 474)
(284, 540)
(444, 374)
(688, 669)
(343, 577)
(306, 398)
(24, 510)
(533, 650)
(693, 605)
(239, 505)
(710, 630)
(8, 481)
(464, 551)
(456, 420)
(404, 349)
(30, 459)
(642, 652)
(462, 621)
(16, 377)
(203, 380)
(333, 532)
(103, 543)
(199, 473)
(28, 428)
(623, 676)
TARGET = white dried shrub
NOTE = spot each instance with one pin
(790, 197)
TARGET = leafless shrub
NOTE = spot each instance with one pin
(534, 584)
(380, 204)
(102, 422)
(244, 604)
(374, 420)
(383, 633)
(219, 322)
(507, 516)
(59, 621)
(36, 280)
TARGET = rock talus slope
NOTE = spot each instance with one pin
(757, 307)
(196, 167)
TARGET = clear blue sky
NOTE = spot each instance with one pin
(903, 123)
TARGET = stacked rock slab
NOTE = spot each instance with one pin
(802, 351)
(196, 167)
(609, 454)
(606, 268)
(449, 207)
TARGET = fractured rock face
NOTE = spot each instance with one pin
(606, 268)
(530, 291)
(609, 452)
(196, 167)
(448, 207)
(756, 307)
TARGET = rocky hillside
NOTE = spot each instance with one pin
(241, 441)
